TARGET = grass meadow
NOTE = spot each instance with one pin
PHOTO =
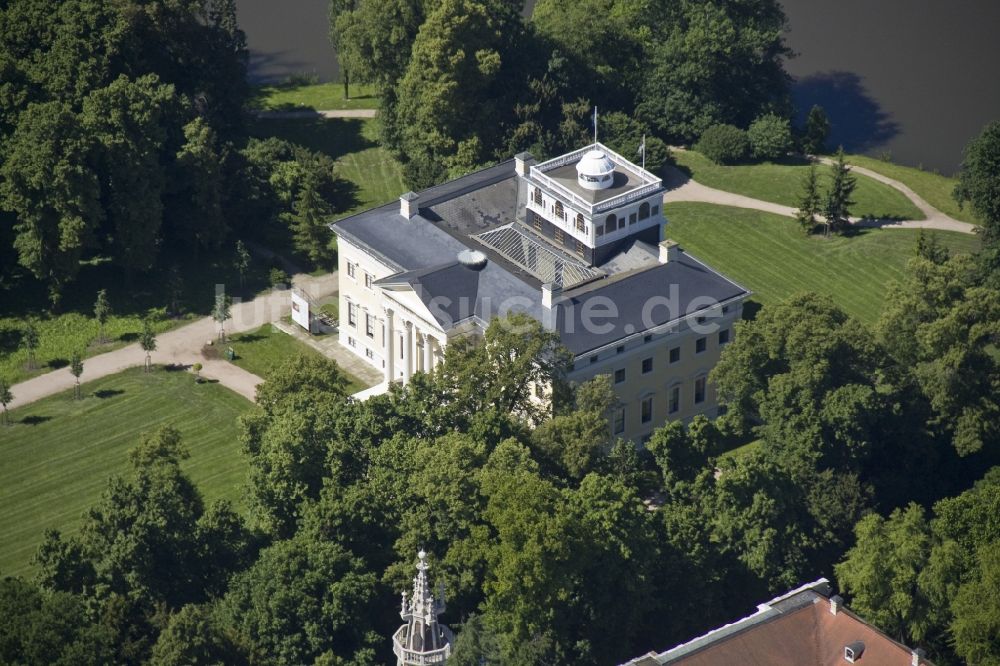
(59, 453)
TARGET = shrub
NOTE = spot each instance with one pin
(724, 144)
(278, 278)
(770, 137)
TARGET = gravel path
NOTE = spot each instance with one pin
(182, 346)
(311, 113)
(682, 188)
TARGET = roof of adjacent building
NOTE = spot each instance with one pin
(424, 249)
(797, 628)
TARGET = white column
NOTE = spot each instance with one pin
(428, 364)
(408, 351)
(387, 347)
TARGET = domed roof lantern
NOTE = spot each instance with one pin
(595, 171)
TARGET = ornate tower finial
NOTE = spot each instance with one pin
(422, 640)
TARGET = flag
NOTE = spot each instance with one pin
(642, 146)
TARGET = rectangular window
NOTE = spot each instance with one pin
(369, 325)
(599, 229)
(675, 400)
(619, 425)
(699, 390)
(699, 345)
(621, 222)
(647, 409)
(647, 365)
(579, 248)
(632, 218)
(352, 314)
(538, 196)
(350, 341)
(675, 354)
(536, 222)
(619, 375)
(560, 236)
(724, 337)
(368, 279)
(369, 353)
(350, 270)
(656, 210)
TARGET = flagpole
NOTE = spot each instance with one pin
(643, 152)
(595, 124)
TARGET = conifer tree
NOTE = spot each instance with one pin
(838, 200)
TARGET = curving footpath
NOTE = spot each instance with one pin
(680, 187)
(182, 346)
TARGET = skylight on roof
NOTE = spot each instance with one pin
(542, 262)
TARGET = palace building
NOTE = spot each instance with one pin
(576, 242)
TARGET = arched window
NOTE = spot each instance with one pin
(611, 223)
(559, 210)
(538, 196)
(579, 222)
(643, 210)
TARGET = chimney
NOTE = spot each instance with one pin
(550, 292)
(408, 204)
(916, 656)
(835, 603)
(523, 163)
(669, 251)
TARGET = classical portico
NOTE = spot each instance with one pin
(409, 343)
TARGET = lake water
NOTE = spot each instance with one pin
(915, 78)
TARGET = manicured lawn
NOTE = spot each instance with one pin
(59, 454)
(769, 254)
(934, 188)
(72, 328)
(262, 350)
(374, 176)
(782, 184)
(316, 96)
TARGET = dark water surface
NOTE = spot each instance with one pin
(916, 78)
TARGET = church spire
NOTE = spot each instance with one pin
(422, 640)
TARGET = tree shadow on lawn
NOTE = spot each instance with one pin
(857, 121)
(10, 340)
(334, 136)
(35, 419)
(104, 394)
(247, 337)
(56, 363)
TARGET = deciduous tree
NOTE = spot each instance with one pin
(221, 312)
(102, 310)
(30, 339)
(242, 261)
(6, 397)
(76, 369)
(147, 340)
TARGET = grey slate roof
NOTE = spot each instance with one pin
(629, 295)
(424, 250)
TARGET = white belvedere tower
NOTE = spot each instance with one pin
(422, 640)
